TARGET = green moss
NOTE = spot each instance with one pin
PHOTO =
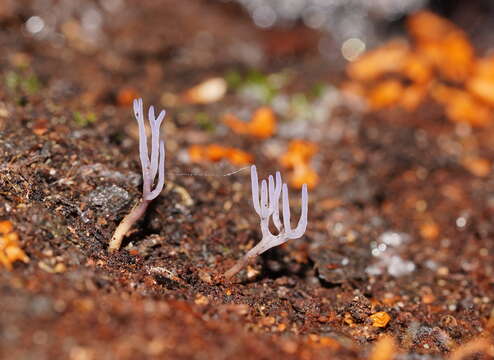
(234, 79)
(83, 119)
(12, 80)
(317, 90)
(22, 82)
(225, 251)
(204, 121)
(257, 85)
(31, 84)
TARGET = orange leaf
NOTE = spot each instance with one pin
(483, 88)
(239, 157)
(384, 349)
(297, 158)
(481, 84)
(262, 125)
(462, 107)
(125, 96)
(477, 166)
(389, 58)
(304, 174)
(10, 250)
(427, 26)
(485, 67)
(214, 152)
(385, 94)
(6, 227)
(444, 44)
(196, 153)
(238, 126)
(417, 68)
(299, 152)
(413, 96)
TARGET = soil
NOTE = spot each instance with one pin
(397, 223)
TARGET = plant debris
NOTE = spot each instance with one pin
(10, 250)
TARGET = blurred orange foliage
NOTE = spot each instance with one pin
(213, 152)
(385, 94)
(443, 43)
(389, 58)
(385, 348)
(417, 69)
(399, 74)
(125, 96)
(262, 125)
(297, 158)
(299, 151)
(477, 345)
(303, 174)
(477, 166)
(481, 84)
(413, 96)
(461, 106)
(10, 250)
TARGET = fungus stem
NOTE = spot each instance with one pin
(135, 214)
(239, 265)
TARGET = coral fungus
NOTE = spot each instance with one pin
(267, 208)
(151, 166)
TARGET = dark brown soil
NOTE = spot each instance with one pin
(397, 224)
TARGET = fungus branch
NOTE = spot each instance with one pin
(150, 168)
(268, 207)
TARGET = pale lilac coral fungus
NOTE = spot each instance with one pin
(267, 208)
(150, 167)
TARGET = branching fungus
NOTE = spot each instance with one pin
(267, 208)
(150, 167)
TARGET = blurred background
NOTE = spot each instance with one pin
(367, 22)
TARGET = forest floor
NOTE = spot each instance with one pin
(398, 226)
